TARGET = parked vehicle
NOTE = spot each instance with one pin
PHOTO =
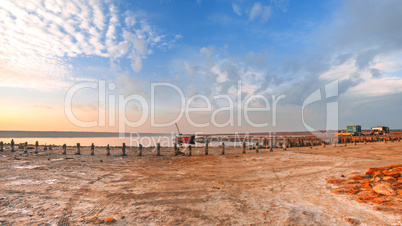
(379, 130)
(354, 130)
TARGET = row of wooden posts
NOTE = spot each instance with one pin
(25, 147)
(313, 141)
(295, 142)
(158, 149)
(140, 147)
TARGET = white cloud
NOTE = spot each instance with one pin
(38, 38)
(260, 11)
(266, 13)
(137, 64)
(256, 11)
(236, 9)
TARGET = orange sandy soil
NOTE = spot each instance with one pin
(280, 187)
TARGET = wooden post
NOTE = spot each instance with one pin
(12, 145)
(92, 149)
(323, 144)
(256, 148)
(206, 146)
(45, 147)
(244, 147)
(271, 148)
(158, 149)
(385, 141)
(223, 148)
(78, 149)
(355, 142)
(1, 145)
(189, 150)
(64, 149)
(284, 146)
(124, 149)
(265, 143)
(50, 147)
(26, 147)
(107, 150)
(140, 149)
(36, 147)
(175, 149)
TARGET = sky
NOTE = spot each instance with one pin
(215, 66)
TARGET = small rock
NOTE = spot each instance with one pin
(92, 219)
(353, 221)
(378, 174)
(357, 178)
(339, 191)
(335, 181)
(360, 200)
(354, 191)
(389, 179)
(371, 171)
(99, 221)
(110, 220)
(377, 179)
(399, 168)
(391, 173)
(367, 196)
(378, 200)
(384, 189)
(366, 185)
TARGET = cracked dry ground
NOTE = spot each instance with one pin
(280, 187)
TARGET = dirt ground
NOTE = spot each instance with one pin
(280, 187)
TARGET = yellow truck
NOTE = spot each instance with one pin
(354, 130)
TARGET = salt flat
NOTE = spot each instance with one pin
(279, 187)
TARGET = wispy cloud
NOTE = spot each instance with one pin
(38, 39)
(260, 11)
(256, 11)
(237, 9)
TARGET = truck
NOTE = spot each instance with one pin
(354, 130)
(379, 130)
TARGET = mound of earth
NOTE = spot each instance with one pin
(380, 187)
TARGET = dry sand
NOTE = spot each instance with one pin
(281, 187)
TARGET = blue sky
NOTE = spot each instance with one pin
(275, 47)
